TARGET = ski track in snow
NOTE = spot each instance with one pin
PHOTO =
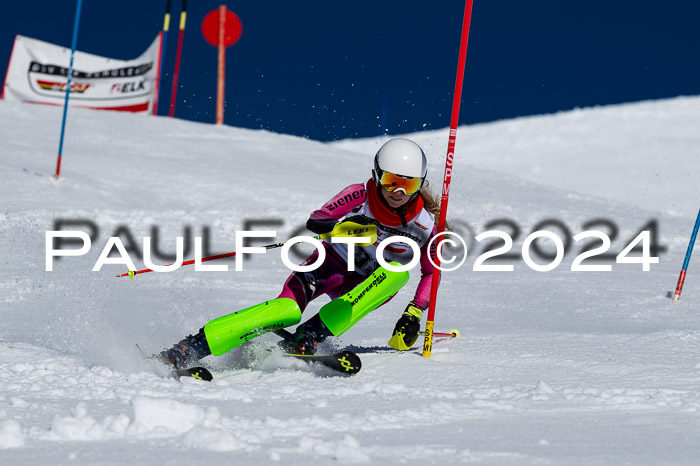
(552, 368)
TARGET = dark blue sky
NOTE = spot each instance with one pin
(325, 69)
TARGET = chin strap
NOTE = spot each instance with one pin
(384, 214)
(401, 210)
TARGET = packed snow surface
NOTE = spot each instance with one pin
(557, 367)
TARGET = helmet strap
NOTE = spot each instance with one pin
(401, 210)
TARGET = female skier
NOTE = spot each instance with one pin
(397, 201)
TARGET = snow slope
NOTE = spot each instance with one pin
(643, 153)
(559, 367)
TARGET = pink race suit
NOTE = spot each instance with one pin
(332, 277)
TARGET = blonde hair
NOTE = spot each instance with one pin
(431, 203)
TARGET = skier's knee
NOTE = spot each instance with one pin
(342, 313)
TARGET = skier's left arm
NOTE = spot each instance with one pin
(324, 219)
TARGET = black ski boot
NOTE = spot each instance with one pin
(303, 341)
(186, 352)
(306, 337)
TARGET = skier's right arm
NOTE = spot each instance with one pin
(324, 219)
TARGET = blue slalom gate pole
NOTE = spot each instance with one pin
(681, 279)
(70, 79)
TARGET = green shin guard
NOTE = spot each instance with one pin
(342, 313)
(227, 332)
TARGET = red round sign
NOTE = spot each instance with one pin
(232, 29)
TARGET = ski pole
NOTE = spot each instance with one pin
(454, 333)
(342, 229)
(681, 278)
(132, 273)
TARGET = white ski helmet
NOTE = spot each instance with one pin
(402, 157)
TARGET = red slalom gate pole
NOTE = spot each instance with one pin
(156, 87)
(161, 51)
(176, 73)
(428, 342)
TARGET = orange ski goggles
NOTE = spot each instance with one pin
(393, 182)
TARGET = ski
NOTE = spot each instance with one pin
(344, 362)
(199, 373)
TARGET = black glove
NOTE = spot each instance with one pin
(327, 224)
(320, 226)
(407, 328)
(361, 219)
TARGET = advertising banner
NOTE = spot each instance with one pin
(38, 73)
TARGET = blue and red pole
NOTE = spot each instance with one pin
(70, 79)
(681, 279)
